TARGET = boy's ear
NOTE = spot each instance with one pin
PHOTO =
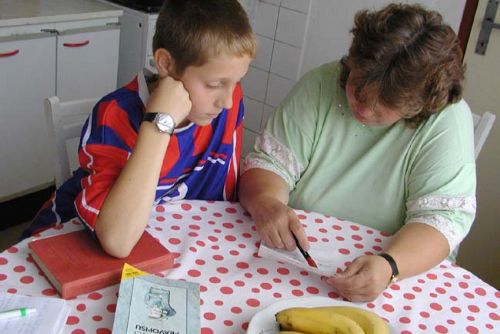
(165, 63)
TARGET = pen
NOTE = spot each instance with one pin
(305, 254)
(16, 313)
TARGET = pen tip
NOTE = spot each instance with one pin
(311, 262)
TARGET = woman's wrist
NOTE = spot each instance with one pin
(393, 265)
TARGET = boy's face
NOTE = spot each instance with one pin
(211, 86)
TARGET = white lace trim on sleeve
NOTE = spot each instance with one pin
(421, 209)
(282, 160)
(434, 202)
(443, 225)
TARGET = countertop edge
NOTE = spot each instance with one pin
(60, 18)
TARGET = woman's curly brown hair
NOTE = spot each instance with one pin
(408, 57)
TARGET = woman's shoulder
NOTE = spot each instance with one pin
(323, 73)
(457, 115)
(451, 129)
(317, 84)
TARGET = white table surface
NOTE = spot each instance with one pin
(216, 245)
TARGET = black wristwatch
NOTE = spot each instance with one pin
(164, 122)
(394, 267)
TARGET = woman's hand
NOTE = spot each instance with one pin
(363, 280)
(264, 195)
(275, 223)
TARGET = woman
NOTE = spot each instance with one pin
(381, 138)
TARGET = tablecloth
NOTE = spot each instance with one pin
(216, 245)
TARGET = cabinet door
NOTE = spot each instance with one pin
(27, 69)
(87, 62)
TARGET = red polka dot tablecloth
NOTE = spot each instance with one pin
(216, 245)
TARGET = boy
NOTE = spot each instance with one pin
(158, 139)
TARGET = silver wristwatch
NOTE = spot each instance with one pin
(164, 122)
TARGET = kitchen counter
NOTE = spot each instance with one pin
(28, 12)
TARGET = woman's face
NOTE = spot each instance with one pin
(370, 111)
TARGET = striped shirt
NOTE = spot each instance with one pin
(201, 162)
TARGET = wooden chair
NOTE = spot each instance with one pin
(64, 122)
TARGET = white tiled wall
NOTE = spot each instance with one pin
(281, 27)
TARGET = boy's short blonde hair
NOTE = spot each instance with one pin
(195, 30)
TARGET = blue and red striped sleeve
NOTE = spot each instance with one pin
(106, 144)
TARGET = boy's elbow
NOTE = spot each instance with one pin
(113, 245)
(118, 250)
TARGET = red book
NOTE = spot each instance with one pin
(75, 263)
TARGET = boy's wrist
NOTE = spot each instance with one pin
(164, 122)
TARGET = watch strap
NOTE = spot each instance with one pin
(158, 118)
(394, 267)
(149, 116)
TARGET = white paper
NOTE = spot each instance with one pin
(50, 316)
(324, 257)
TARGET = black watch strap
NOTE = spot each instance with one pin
(394, 267)
(149, 116)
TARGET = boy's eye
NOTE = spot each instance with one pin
(214, 85)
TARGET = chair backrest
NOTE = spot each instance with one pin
(482, 128)
(64, 122)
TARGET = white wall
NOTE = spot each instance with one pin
(328, 36)
(281, 27)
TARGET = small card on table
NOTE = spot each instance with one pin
(152, 304)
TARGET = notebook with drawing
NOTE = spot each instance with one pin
(49, 318)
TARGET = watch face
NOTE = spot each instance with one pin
(165, 123)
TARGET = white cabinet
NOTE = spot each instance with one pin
(87, 62)
(76, 59)
(27, 76)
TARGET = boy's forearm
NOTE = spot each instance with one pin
(258, 185)
(127, 208)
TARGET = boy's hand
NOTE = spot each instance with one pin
(170, 97)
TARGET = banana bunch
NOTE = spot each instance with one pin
(330, 320)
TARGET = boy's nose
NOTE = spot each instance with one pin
(226, 99)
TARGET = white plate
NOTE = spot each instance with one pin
(264, 322)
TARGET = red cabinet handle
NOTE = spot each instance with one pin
(9, 54)
(76, 45)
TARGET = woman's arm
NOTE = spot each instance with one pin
(258, 184)
(264, 195)
(415, 248)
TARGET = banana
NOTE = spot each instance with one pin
(299, 319)
(290, 332)
(370, 322)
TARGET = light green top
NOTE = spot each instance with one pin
(381, 177)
